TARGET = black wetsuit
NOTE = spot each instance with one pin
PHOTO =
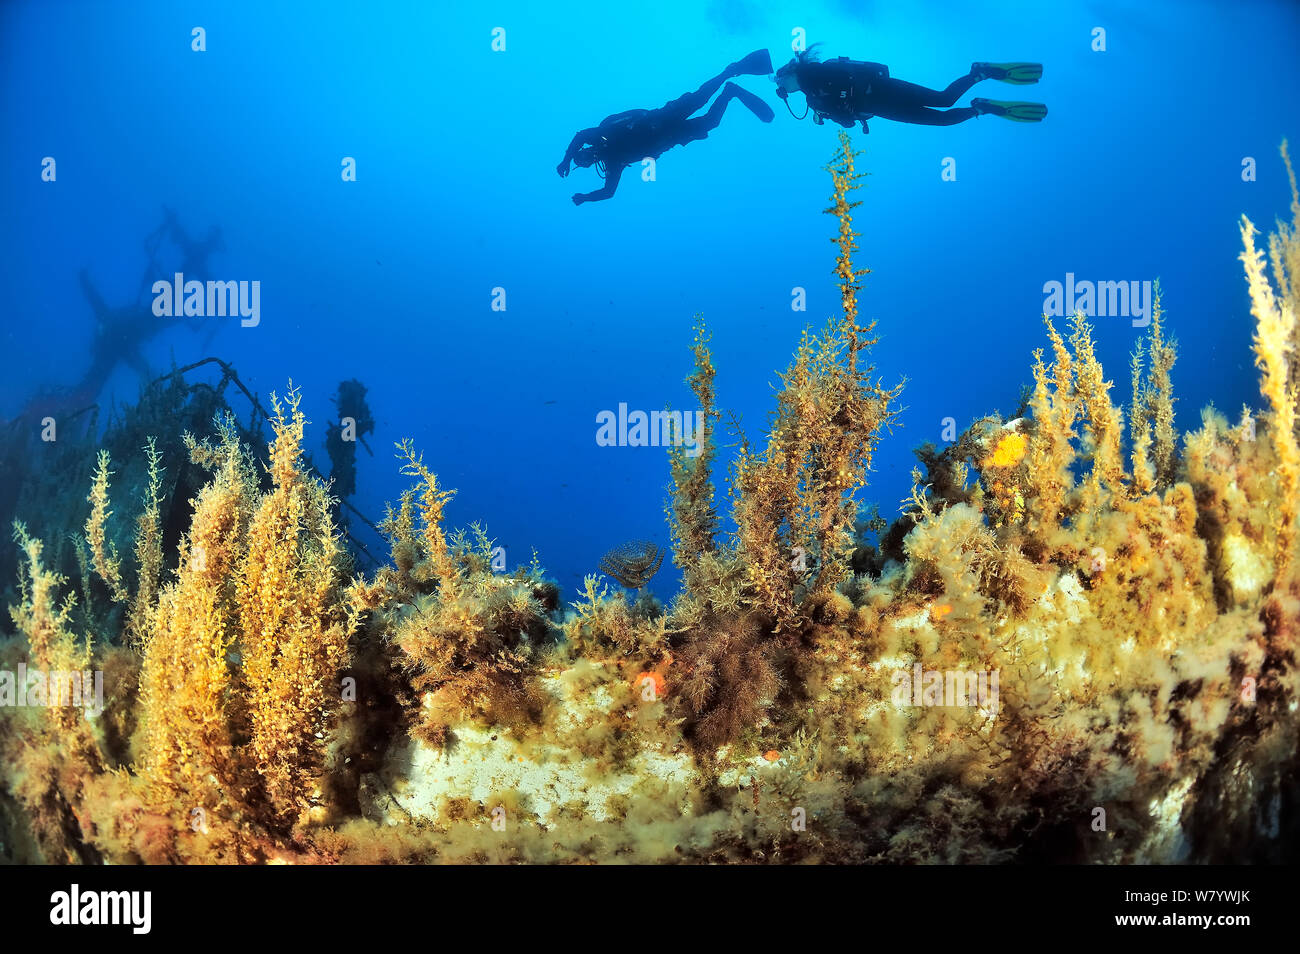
(636, 134)
(852, 91)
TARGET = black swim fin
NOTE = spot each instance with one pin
(755, 103)
(758, 63)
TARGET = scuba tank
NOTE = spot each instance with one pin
(875, 70)
(837, 86)
(843, 78)
(841, 88)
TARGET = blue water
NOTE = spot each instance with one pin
(1135, 174)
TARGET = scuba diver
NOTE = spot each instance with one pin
(637, 134)
(852, 91)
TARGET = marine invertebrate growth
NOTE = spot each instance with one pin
(633, 564)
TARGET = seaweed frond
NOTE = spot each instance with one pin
(294, 620)
(1055, 407)
(1151, 414)
(148, 552)
(103, 553)
(1107, 472)
(1160, 397)
(432, 500)
(239, 680)
(693, 519)
(1275, 341)
(793, 503)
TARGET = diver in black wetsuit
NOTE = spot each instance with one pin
(637, 134)
(853, 91)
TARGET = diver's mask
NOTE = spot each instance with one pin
(787, 79)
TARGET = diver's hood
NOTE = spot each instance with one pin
(787, 79)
